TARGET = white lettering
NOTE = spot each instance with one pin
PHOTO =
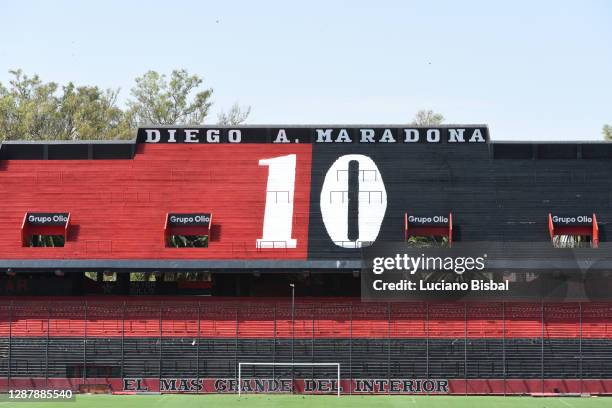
(477, 137)
(433, 135)
(212, 136)
(171, 135)
(153, 135)
(191, 135)
(412, 136)
(234, 136)
(387, 137)
(456, 135)
(281, 137)
(367, 135)
(324, 136)
(343, 137)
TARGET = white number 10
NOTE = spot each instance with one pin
(372, 196)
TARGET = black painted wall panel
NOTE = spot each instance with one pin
(491, 199)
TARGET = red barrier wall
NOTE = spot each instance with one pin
(269, 318)
(228, 385)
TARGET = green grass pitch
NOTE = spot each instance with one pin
(298, 401)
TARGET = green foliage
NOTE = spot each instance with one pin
(188, 241)
(47, 241)
(427, 242)
(161, 102)
(92, 113)
(31, 109)
(234, 116)
(427, 118)
(607, 132)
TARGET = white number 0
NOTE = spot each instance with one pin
(372, 198)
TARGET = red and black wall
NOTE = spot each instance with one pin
(118, 202)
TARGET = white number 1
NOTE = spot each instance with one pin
(278, 216)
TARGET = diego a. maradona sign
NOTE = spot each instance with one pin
(305, 134)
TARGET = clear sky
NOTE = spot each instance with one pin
(529, 69)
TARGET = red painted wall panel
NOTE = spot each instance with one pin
(118, 207)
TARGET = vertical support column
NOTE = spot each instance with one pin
(504, 343)
(350, 349)
(239, 379)
(198, 350)
(465, 346)
(426, 340)
(123, 340)
(312, 354)
(47, 348)
(338, 385)
(10, 345)
(161, 339)
(388, 347)
(292, 341)
(542, 350)
(236, 351)
(580, 349)
(274, 345)
(85, 345)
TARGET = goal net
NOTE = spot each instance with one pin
(248, 371)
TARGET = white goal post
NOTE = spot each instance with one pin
(337, 365)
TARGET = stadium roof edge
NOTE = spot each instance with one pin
(68, 142)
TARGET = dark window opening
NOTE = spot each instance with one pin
(39, 241)
(571, 241)
(427, 241)
(187, 241)
(191, 276)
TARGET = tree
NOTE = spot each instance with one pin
(235, 116)
(607, 132)
(28, 108)
(33, 110)
(161, 102)
(427, 118)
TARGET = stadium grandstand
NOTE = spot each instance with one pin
(167, 263)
